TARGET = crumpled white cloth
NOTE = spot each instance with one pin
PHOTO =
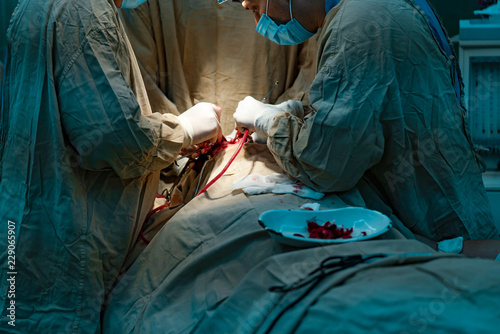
(274, 183)
(310, 206)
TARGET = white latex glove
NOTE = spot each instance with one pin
(232, 135)
(258, 139)
(454, 245)
(201, 123)
(257, 116)
(255, 137)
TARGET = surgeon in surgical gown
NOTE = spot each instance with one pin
(385, 114)
(80, 155)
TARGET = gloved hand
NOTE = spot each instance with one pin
(255, 137)
(201, 123)
(231, 136)
(258, 139)
(257, 116)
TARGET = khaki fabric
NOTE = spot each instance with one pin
(253, 158)
(385, 113)
(190, 49)
(210, 267)
(202, 252)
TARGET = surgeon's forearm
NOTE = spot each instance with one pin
(309, 154)
(486, 249)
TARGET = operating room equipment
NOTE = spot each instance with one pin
(201, 175)
(276, 83)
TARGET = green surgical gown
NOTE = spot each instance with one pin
(385, 117)
(80, 158)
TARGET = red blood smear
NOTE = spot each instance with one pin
(328, 231)
(208, 148)
(298, 235)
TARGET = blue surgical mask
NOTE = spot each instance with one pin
(291, 33)
(132, 3)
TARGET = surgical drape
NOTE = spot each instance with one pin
(80, 158)
(190, 49)
(384, 111)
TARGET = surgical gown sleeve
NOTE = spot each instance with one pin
(105, 113)
(332, 147)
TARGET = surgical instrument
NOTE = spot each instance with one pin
(265, 98)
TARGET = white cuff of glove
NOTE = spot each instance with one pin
(263, 122)
(258, 139)
(188, 131)
(454, 245)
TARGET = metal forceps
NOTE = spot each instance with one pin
(276, 83)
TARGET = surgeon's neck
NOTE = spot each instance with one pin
(118, 3)
(310, 14)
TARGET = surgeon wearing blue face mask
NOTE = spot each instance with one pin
(285, 22)
(359, 127)
(291, 33)
(281, 21)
